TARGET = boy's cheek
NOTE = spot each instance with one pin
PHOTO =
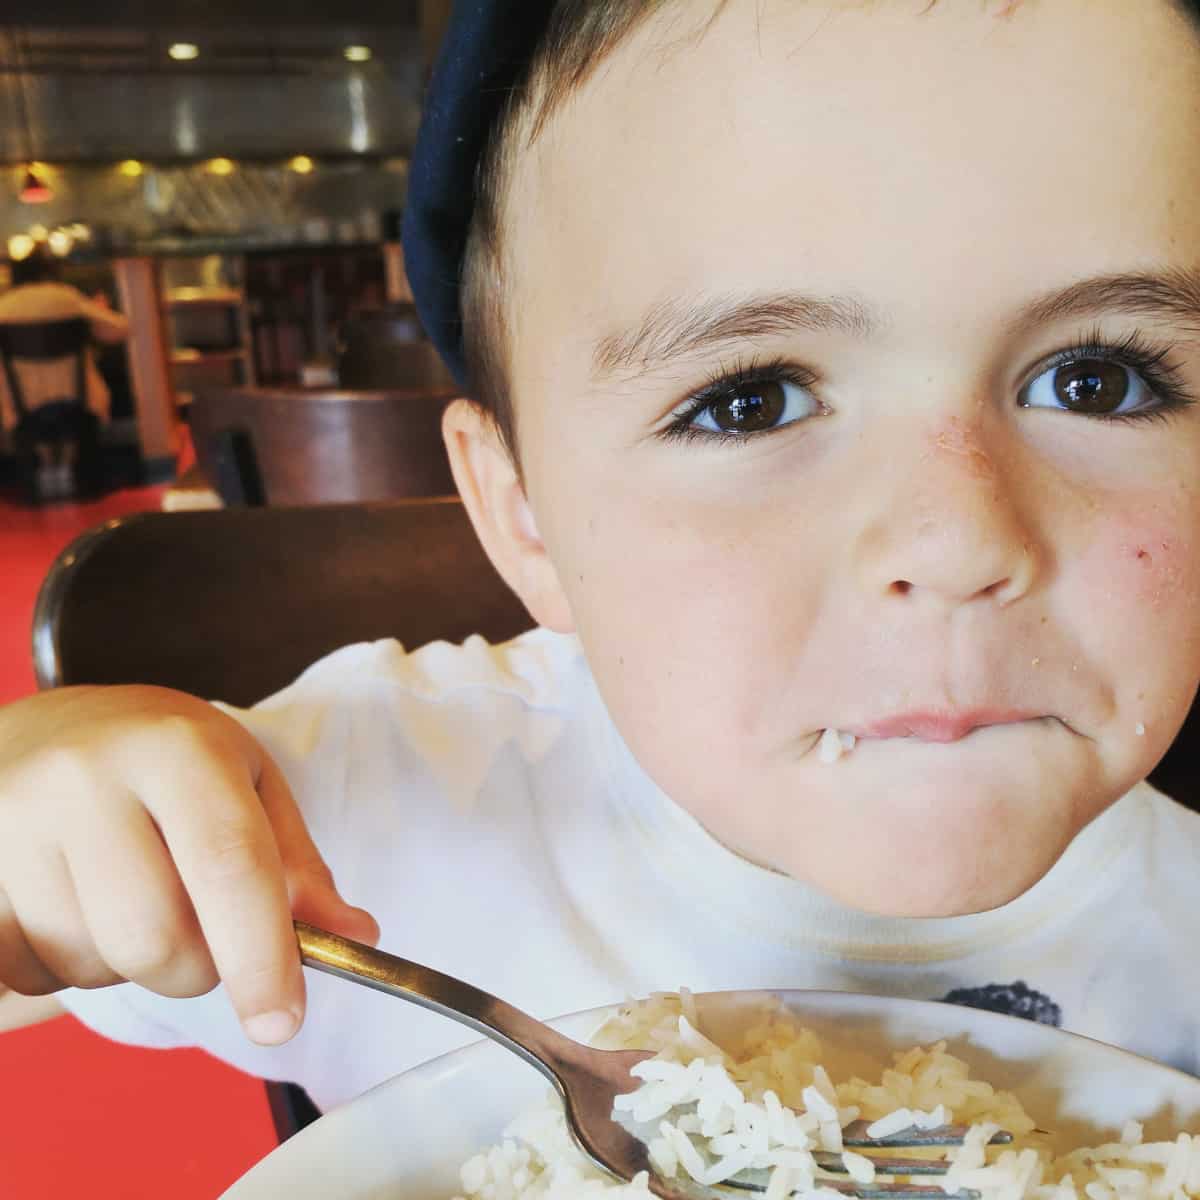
(692, 631)
(1158, 568)
(1143, 564)
(1140, 576)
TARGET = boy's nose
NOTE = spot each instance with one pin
(951, 530)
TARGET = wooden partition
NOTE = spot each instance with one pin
(140, 293)
(286, 446)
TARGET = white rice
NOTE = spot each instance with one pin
(833, 745)
(767, 1103)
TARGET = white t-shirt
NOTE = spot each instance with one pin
(480, 803)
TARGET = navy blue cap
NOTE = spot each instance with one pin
(486, 48)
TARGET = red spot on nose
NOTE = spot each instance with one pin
(963, 441)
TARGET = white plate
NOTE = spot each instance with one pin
(406, 1139)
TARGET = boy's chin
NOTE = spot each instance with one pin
(908, 829)
(948, 831)
(900, 869)
(918, 847)
(935, 894)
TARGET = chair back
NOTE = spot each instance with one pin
(44, 341)
(281, 446)
(234, 604)
(386, 348)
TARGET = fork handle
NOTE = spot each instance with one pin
(535, 1042)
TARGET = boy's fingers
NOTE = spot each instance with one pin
(42, 897)
(138, 914)
(22, 970)
(311, 887)
(224, 848)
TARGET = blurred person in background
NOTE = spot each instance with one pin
(58, 432)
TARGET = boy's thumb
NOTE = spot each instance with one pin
(316, 900)
(312, 893)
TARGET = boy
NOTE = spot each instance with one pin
(836, 368)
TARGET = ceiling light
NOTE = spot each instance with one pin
(34, 188)
(183, 51)
(357, 54)
(20, 246)
(131, 168)
(60, 242)
(302, 165)
(219, 166)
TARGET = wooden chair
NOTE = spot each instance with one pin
(53, 420)
(233, 604)
(385, 348)
(281, 446)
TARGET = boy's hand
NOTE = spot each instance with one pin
(146, 836)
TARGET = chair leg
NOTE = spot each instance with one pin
(291, 1108)
(87, 468)
(238, 481)
(26, 479)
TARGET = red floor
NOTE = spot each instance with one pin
(82, 1118)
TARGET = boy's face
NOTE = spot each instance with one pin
(892, 223)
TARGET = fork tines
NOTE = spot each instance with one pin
(756, 1181)
(854, 1137)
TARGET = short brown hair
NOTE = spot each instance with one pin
(577, 38)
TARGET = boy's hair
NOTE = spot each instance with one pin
(579, 34)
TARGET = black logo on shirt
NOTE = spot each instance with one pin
(1016, 999)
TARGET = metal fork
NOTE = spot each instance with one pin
(588, 1080)
(854, 1137)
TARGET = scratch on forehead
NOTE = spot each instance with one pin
(960, 439)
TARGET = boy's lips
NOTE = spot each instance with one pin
(932, 725)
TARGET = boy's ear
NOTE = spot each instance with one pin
(494, 497)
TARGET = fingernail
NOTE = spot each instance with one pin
(271, 1028)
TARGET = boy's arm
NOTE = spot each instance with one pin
(17, 1011)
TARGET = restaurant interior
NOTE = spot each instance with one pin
(217, 188)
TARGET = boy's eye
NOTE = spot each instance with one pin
(754, 408)
(1092, 386)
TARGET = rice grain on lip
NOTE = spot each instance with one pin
(708, 1111)
(833, 745)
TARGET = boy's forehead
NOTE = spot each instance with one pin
(847, 148)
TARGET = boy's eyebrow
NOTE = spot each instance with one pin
(1169, 295)
(675, 328)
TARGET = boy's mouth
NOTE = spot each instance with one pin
(934, 725)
